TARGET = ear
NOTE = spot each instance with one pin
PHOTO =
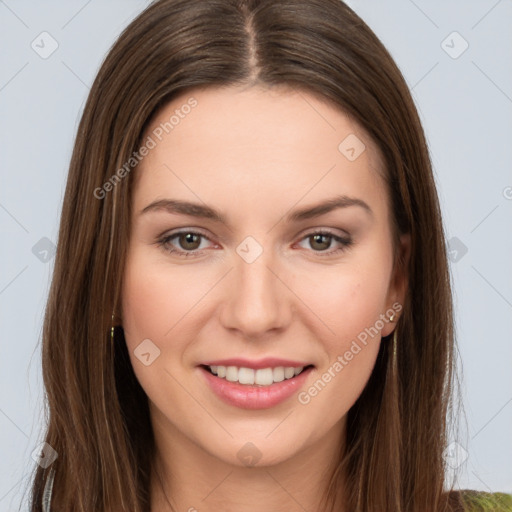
(399, 282)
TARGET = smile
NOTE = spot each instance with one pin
(260, 377)
(255, 388)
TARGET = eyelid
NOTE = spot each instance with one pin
(200, 231)
(328, 231)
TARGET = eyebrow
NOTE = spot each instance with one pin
(177, 206)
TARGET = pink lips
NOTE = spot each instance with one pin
(254, 397)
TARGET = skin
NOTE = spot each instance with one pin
(255, 154)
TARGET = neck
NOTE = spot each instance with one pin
(188, 478)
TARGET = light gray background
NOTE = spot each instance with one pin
(465, 104)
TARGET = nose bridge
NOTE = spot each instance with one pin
(257, 301)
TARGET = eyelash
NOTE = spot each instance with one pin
(164, 243)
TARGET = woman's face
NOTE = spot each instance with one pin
(265, 275)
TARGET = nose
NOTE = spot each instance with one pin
(257, 300)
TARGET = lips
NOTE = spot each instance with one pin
(255, 384)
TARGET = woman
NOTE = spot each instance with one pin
(251, 305)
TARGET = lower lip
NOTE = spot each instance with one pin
(245, 396)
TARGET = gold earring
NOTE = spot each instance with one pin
(112, 330)
(392, 317)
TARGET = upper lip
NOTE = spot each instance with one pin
(267, 362)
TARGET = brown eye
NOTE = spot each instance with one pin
(189, 241)
(185, 243)
(320, 242)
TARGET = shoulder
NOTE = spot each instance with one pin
(467, 500)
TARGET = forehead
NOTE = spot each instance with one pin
(272, 145)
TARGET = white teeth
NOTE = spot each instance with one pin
(278, 374)
(264, 377)
(289, 372)
(246, 376)
(260, 377)
(232, 373)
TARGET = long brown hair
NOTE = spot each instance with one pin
(98, 418)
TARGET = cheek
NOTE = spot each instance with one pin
(346, 300)
(143, 307)
(155, 303)
(350, 304)
(155, 300)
